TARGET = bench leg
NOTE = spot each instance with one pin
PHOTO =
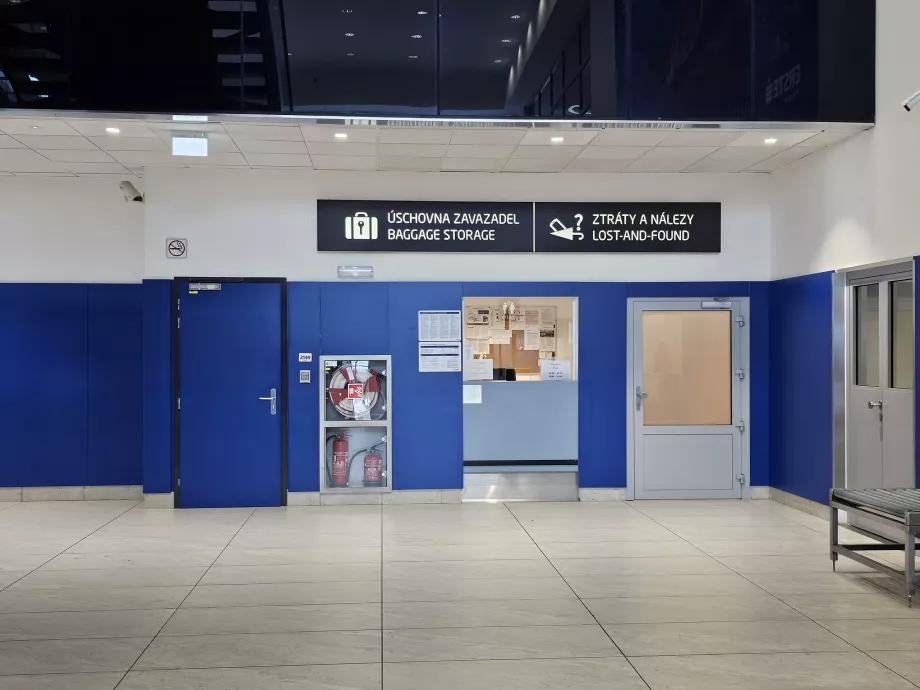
(909, 566)
(835, 518)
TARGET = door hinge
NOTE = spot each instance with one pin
(178, 304)
(740, 478)
(740, 426)
(178, 403)
(740, 374)
(740, 321)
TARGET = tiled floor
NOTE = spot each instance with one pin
(623, 596)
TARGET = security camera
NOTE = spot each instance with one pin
(912, 102)
(130, 192)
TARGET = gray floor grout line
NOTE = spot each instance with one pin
(590, 612)
(192, 589)
(855, 648)
(41, 565)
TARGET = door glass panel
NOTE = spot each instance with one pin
(686, 367)
(867, 335)
(902, 334)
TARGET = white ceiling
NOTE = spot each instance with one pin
(68, 146)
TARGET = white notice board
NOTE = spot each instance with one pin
(434, 356)
(441, 326)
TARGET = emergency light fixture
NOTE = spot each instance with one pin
(356, 272)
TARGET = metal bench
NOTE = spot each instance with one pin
(897, 508)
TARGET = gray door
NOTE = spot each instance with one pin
(880, 443)
(686, 399)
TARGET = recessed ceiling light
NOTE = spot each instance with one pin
(413, 57)
(423, 11)
(341, 135)
(349, 34)
(43, 95)
(770, 140)
(515, 16)
(349, 54)
(416, 36)
(506, 40)
(190, 146)
(34, 126)
(347, 11)
(557, 140)
(496, 61)
(113, 130)
(31, 78)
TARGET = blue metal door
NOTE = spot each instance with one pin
(230, 354)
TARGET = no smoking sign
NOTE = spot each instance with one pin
(176, 248)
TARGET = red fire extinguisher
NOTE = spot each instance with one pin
(372, 469)
(340, 461)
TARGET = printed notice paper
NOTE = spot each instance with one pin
(434, 356)
(531, 337)
(443, 326)
(472, 395)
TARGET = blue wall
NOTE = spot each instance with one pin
(801, 385)
(70, 384)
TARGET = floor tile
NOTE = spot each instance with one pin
(458, 537)
(781, 584)
(472, 588)
(97, 599)
(23, 561)
(850, 605)
(274, 649)
(692, 609)
(82, 624)
(69, 656)
(273, 619)
(461, 552)
(621, 549)
(532, 642)
(843, 671)
(111, 577)
(711, 533)
(324, 677)
(765, 547)
(907, 664)
(234, 555)
(285, 594)
(101, 561)
(589, 567)
(62, 681)
(529, 674)
(602, 586)
(303, 572)
(545, 536)
(127, 544)
(750, 637)
(276, 539)
(496, 612)
(893, 634)
(8, 577)
(813, 563)
(398, 570)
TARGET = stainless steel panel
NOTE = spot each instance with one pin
(520, 486)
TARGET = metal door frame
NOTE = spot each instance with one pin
(176, 357)
(744, 304)
(845, 282)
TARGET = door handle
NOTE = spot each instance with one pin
(875, 403)
(640, 396)
(274, 400)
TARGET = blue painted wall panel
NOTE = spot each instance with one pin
(916, 376)
(759, 383)
(43, 352)
(304, 328)
(727, 289)
(602, 384)
(510, 289)
(800, 391)
(114, 379)
(354, 318)
(428, 417)
(157, 386)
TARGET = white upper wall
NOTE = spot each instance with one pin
(263, 223)
(69, 230)
(859, 202)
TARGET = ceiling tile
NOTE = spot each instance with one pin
(322, 162)
(130, 143)
(97, 168)
(40, 126)
(78, 156)
(704, 138)
(97, 128)
(783, 137)
(248, 146)
(23, 173)
(356, 135)
(571, 137)
(535, 165)
(158, 158)
(221, 143)
(184, 129)
(338, 149)
(782, 158)
(598, 165)
(751, 154)
(123, 175)
(280, 160)
(610, 152)
(559, 151)
(408, 163)
(413, 135)
(7, 142)
(215, 159)
(24, 160)
(659, 164)
(631, 137)
(825, 139)
(487, 137)
(56, 142)
(469, 164)
(415, 150)
(479, 151)
(718, 165)
(688, 153)
(264, 132)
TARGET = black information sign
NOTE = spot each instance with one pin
(628, 227)
(423, 226)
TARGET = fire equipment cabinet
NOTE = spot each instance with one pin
(355, 424)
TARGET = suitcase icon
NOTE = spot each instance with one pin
(361, 227)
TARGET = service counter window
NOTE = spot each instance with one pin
(520, 339)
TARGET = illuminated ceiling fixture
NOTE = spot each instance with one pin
(349, 54)
(31, 78)
(415, 36)
(557, 140)
(515, 16)
(190, 146)
(113, 130)
(506, 40)
(496, 61)
(347, 11)
(349, 34)
(341, 135)
(423, 11)
(33, 126)
(770, 141)
(413, 57)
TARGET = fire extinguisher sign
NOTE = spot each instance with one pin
(355, 391)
